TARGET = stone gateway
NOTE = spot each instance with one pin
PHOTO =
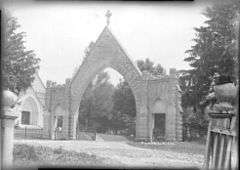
(158, 99)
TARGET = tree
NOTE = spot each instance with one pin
(145, 65)
(123, 100)
(124, 109)
(96, 105)
(18, 64)
(214, 52)
(158, 70)
(148, 65)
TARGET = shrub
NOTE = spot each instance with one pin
(58, 150)
(25, 155)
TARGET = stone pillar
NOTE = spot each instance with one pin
(46, 124)
(172, 71)
(72, 126)
(7, 123)
(7, 129)
(65, 128)
(52, 126)
(143, 115)
(151, 126)
(142, 124)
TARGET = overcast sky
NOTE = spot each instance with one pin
(59, 32)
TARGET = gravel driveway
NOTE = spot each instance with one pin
(124, 153)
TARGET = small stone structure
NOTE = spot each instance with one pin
(153, 95)
(31, 108)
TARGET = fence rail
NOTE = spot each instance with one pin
(29, 133)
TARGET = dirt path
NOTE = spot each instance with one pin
(124, 153)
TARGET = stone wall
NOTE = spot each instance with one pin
(57, 104)
(152, 89)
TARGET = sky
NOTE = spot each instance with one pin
(59, 32)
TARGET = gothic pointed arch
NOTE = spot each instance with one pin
(105, 52)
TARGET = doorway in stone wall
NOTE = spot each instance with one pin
(159, 129)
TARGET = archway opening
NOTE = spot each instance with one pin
(29, 112)
(108, 105)
(159, 120)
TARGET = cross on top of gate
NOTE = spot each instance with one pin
(108, 15)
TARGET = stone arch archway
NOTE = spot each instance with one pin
(106, 52)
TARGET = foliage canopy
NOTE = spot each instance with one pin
(18, 64)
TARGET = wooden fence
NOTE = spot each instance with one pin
(221, 148)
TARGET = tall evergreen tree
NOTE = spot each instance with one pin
(18, 64)
(214, 52)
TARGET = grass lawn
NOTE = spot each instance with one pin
(181, 147)
(31, 156)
